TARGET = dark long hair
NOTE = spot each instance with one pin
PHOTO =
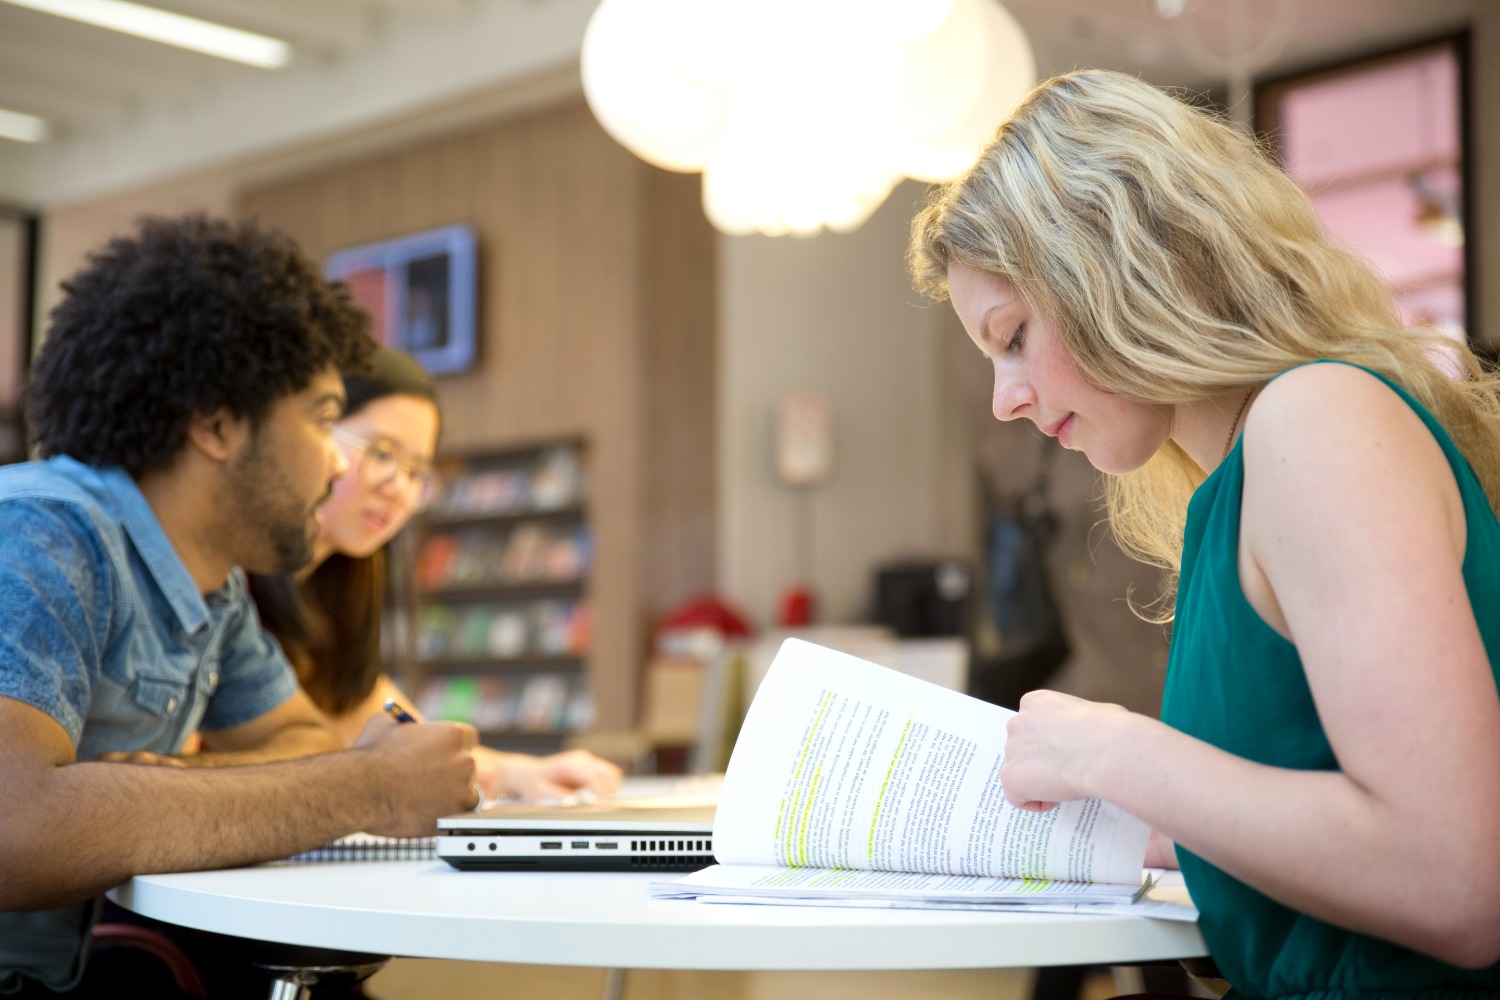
(330, 624)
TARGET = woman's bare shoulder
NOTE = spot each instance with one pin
(1332, 412)
(1329, 446)
(1324, 385)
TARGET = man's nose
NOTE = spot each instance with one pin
(340, 460)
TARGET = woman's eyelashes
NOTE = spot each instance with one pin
(990, 341)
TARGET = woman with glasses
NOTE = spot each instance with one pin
(328, 616)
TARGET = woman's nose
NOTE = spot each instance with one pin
(396, 484)
(1013, 397)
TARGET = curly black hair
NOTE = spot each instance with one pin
(187, 316)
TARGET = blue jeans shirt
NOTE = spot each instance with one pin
(103, 629)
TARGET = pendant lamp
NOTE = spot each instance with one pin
(804, 114)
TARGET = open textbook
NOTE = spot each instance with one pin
(854, 784)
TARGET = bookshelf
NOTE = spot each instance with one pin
(503, 620)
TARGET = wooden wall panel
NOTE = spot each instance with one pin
(572, 299)
(681, 380)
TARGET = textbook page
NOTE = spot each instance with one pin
(845, 764)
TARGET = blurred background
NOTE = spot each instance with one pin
(685, 419)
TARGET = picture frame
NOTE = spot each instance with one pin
(1383, 146)
(420, 292)
(18, 269)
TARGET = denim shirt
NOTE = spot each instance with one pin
(103, 629)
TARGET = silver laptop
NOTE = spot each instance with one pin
(646, 834)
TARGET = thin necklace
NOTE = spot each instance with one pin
(1229, 443)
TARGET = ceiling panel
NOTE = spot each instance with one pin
(92, 83)
(61, 99)
(317, 26)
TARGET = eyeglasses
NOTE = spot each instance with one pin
(381, 461)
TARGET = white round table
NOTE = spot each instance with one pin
(424, 909)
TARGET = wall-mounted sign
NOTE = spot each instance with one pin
(420, 291)
(804, 439)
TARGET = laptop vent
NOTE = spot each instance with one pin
(673, 853)
(673, 846)
(675, 861)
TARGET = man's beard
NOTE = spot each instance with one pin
(268, 507)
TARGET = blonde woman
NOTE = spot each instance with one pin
(1151, 290)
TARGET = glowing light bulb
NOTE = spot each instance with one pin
(804, 114)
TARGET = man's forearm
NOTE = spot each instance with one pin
(288, 743)
(123, 820)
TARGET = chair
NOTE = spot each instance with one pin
(1184, 978)
(184, 972)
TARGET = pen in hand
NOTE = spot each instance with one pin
(394, 709)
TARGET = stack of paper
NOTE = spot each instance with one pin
(1160, 894)
(816, 884)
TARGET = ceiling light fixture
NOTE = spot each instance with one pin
(22, 127)
(804, 114)
(163, 26)
(1244, 56)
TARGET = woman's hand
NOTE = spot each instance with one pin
(141, 757)
(1161, 851)
(536, 779)
(1051, 746)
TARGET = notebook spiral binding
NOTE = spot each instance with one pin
(365, 847)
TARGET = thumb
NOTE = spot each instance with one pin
(1038, 807)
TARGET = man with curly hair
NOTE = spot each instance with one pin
(182, 403)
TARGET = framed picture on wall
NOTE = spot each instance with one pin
(17, 278)
(420, 292)
(1379, 145)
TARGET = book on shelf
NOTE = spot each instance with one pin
(852, 784)
(527, 554)
(552, 479)
(542, 703)
(505, 630)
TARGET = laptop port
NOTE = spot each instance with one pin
(551, 845)
(607, 845)
(580, 845)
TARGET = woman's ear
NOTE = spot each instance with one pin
(219, 435)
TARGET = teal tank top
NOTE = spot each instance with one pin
(1232, 681)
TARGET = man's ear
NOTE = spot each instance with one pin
(219, 435)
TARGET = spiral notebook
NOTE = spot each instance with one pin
(370, 847)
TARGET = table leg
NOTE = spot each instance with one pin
(1129, 979)
(296, 982)
(289, 988)
(614, 984)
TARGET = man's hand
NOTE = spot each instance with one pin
(538, 779)
(418, 772)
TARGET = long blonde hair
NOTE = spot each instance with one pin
(1179, 263)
